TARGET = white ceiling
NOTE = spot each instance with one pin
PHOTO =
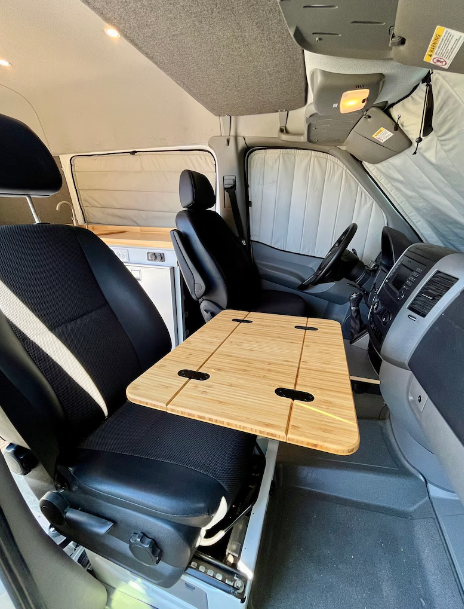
(88, 91)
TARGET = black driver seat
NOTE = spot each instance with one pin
(216, 267)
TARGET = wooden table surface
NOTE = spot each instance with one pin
(246, 363)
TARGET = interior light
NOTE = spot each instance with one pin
(112, 33)
(5, 63)
(352, 101)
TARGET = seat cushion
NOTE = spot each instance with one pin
(281, 303)
(176, 468)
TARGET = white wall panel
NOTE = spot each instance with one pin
(91, 92)
(303, 200)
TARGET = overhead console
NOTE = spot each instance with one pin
(339, 101)
(427, 35)
(343, 111)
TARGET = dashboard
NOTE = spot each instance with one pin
(406, 275)
(416, 343)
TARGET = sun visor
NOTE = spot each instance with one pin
(26, 166)
(430, 36)
(346, 28)
(329, 129)
(376, 138)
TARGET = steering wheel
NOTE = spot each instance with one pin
(332, 257)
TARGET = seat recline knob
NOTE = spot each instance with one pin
(144, 549)
(54, 506)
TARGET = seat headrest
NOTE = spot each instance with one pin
(195, 191)
(26, 165)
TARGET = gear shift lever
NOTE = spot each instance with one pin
(357, 324)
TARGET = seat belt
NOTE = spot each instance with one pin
(230, 186)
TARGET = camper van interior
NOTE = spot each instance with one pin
(231, 304)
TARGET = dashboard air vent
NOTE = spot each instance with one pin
(430, 294)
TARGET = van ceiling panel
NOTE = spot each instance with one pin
(418, 29)
(235, 58)
(344, 28)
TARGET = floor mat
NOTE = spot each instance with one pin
(328, 553)
(330, 556)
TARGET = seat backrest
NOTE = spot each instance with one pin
(79, 328)
(75, 329)
(228, 274)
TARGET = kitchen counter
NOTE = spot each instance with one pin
(133, 236)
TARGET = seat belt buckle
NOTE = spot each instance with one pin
(229, 182)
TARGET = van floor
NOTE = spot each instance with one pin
(355, 532)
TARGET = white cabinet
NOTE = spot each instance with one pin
(158, 282)
(158, 274)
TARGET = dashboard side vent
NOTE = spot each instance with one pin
(430, 294)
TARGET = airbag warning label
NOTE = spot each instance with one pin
(382, 135)
(443, 47)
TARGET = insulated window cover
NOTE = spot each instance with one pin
(428, 187)
(302, 200)
(139, 189)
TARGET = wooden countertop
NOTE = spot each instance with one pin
(246, 363)
(134, 236)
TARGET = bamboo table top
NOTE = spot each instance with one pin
(246, 362)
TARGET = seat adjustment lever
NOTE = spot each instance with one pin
(57, 510)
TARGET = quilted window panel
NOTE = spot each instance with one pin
(303, 200)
